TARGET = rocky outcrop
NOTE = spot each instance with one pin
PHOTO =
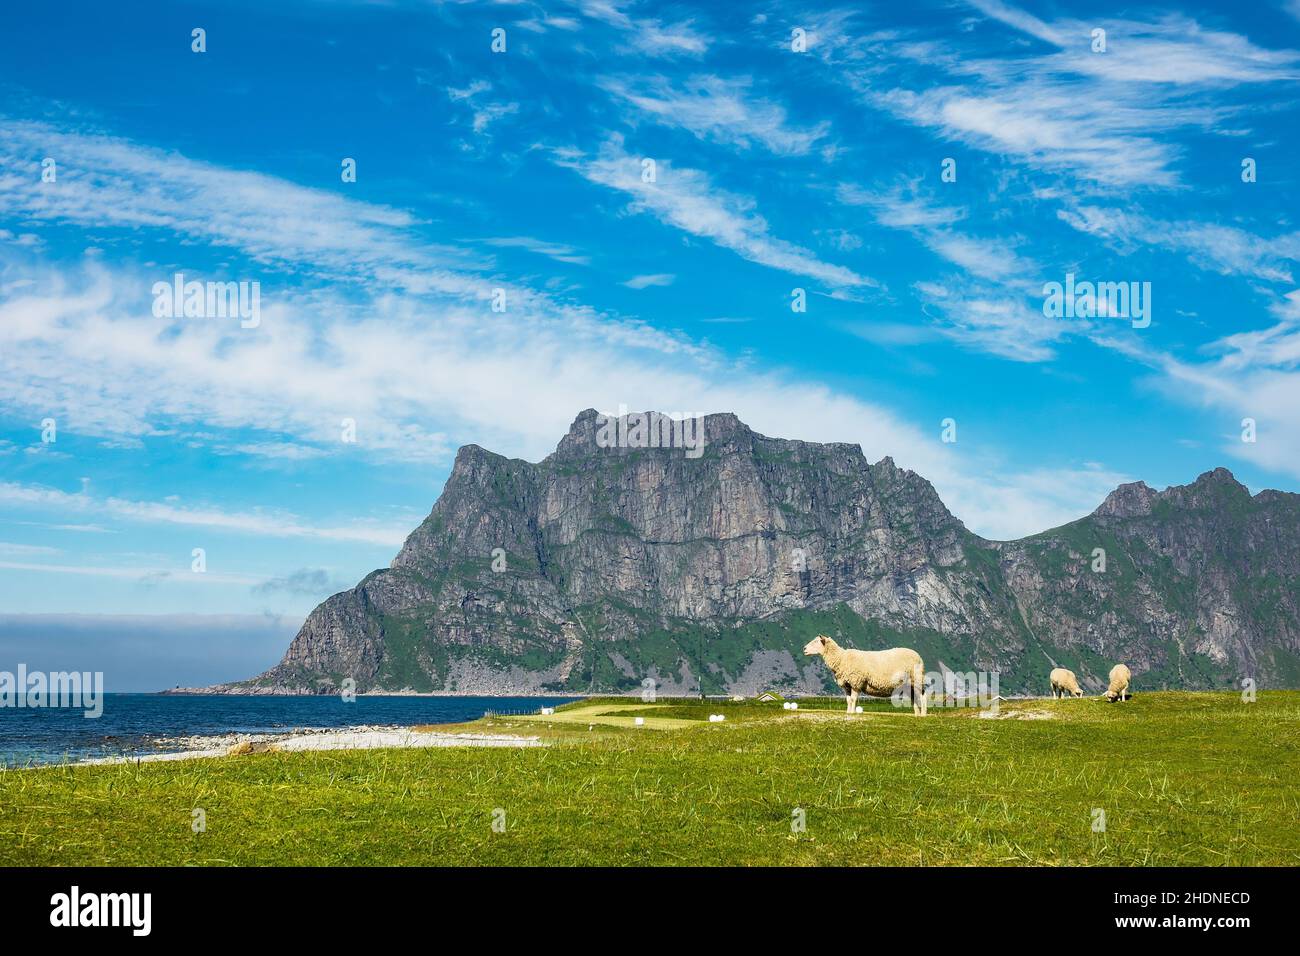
(600, 567)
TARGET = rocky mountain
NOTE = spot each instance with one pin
(601, 566)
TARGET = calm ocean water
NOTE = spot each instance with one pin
(132, 723)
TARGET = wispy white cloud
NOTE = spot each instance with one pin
(552, 250)
(687, 199)
(267, 524)
(1225, 249)
(994, 258)
(1103, 117)
(1044, 498)
(646, 281)
(484, 114)
(280, 450)
(718, 109)
(1251, 374)
(141, 575)
(20, 239)
(14, 548)
(1173, 49)
(107, 183)
(646, 34)
(1000, 324)
(900, 209)
(985, 307)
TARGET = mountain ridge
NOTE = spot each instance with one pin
(601, 566)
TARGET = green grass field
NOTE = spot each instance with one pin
(1182, 778)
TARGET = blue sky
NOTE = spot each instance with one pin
(522, 170)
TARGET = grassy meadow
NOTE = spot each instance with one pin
(1182, 779)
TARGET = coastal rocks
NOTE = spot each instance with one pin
(344, 738)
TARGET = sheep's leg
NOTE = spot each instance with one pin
(853, 701)
(918, 691)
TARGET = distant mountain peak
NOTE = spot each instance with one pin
(1128, 500)
(649, 428)
(1219, 477)
(1137, 498)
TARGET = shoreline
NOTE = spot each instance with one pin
(207, 692)
(364, 737)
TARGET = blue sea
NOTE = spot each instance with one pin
(134, 724)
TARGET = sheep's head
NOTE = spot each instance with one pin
(815, 646)
(1111, 696)
(1078, 692)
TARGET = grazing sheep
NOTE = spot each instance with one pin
(874, 673)
(1119, 681)
(1064, 682)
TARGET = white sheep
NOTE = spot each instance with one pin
(1064, 682)
(1119, 681)
(874, 673)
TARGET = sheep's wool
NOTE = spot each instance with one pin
(1064, 681)
(1119, 680)
(876, 673)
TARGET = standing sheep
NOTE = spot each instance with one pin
(1119, 681)
(874, 673)
(1064, 682)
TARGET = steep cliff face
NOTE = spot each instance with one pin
(600, 566)
(1201, 583)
